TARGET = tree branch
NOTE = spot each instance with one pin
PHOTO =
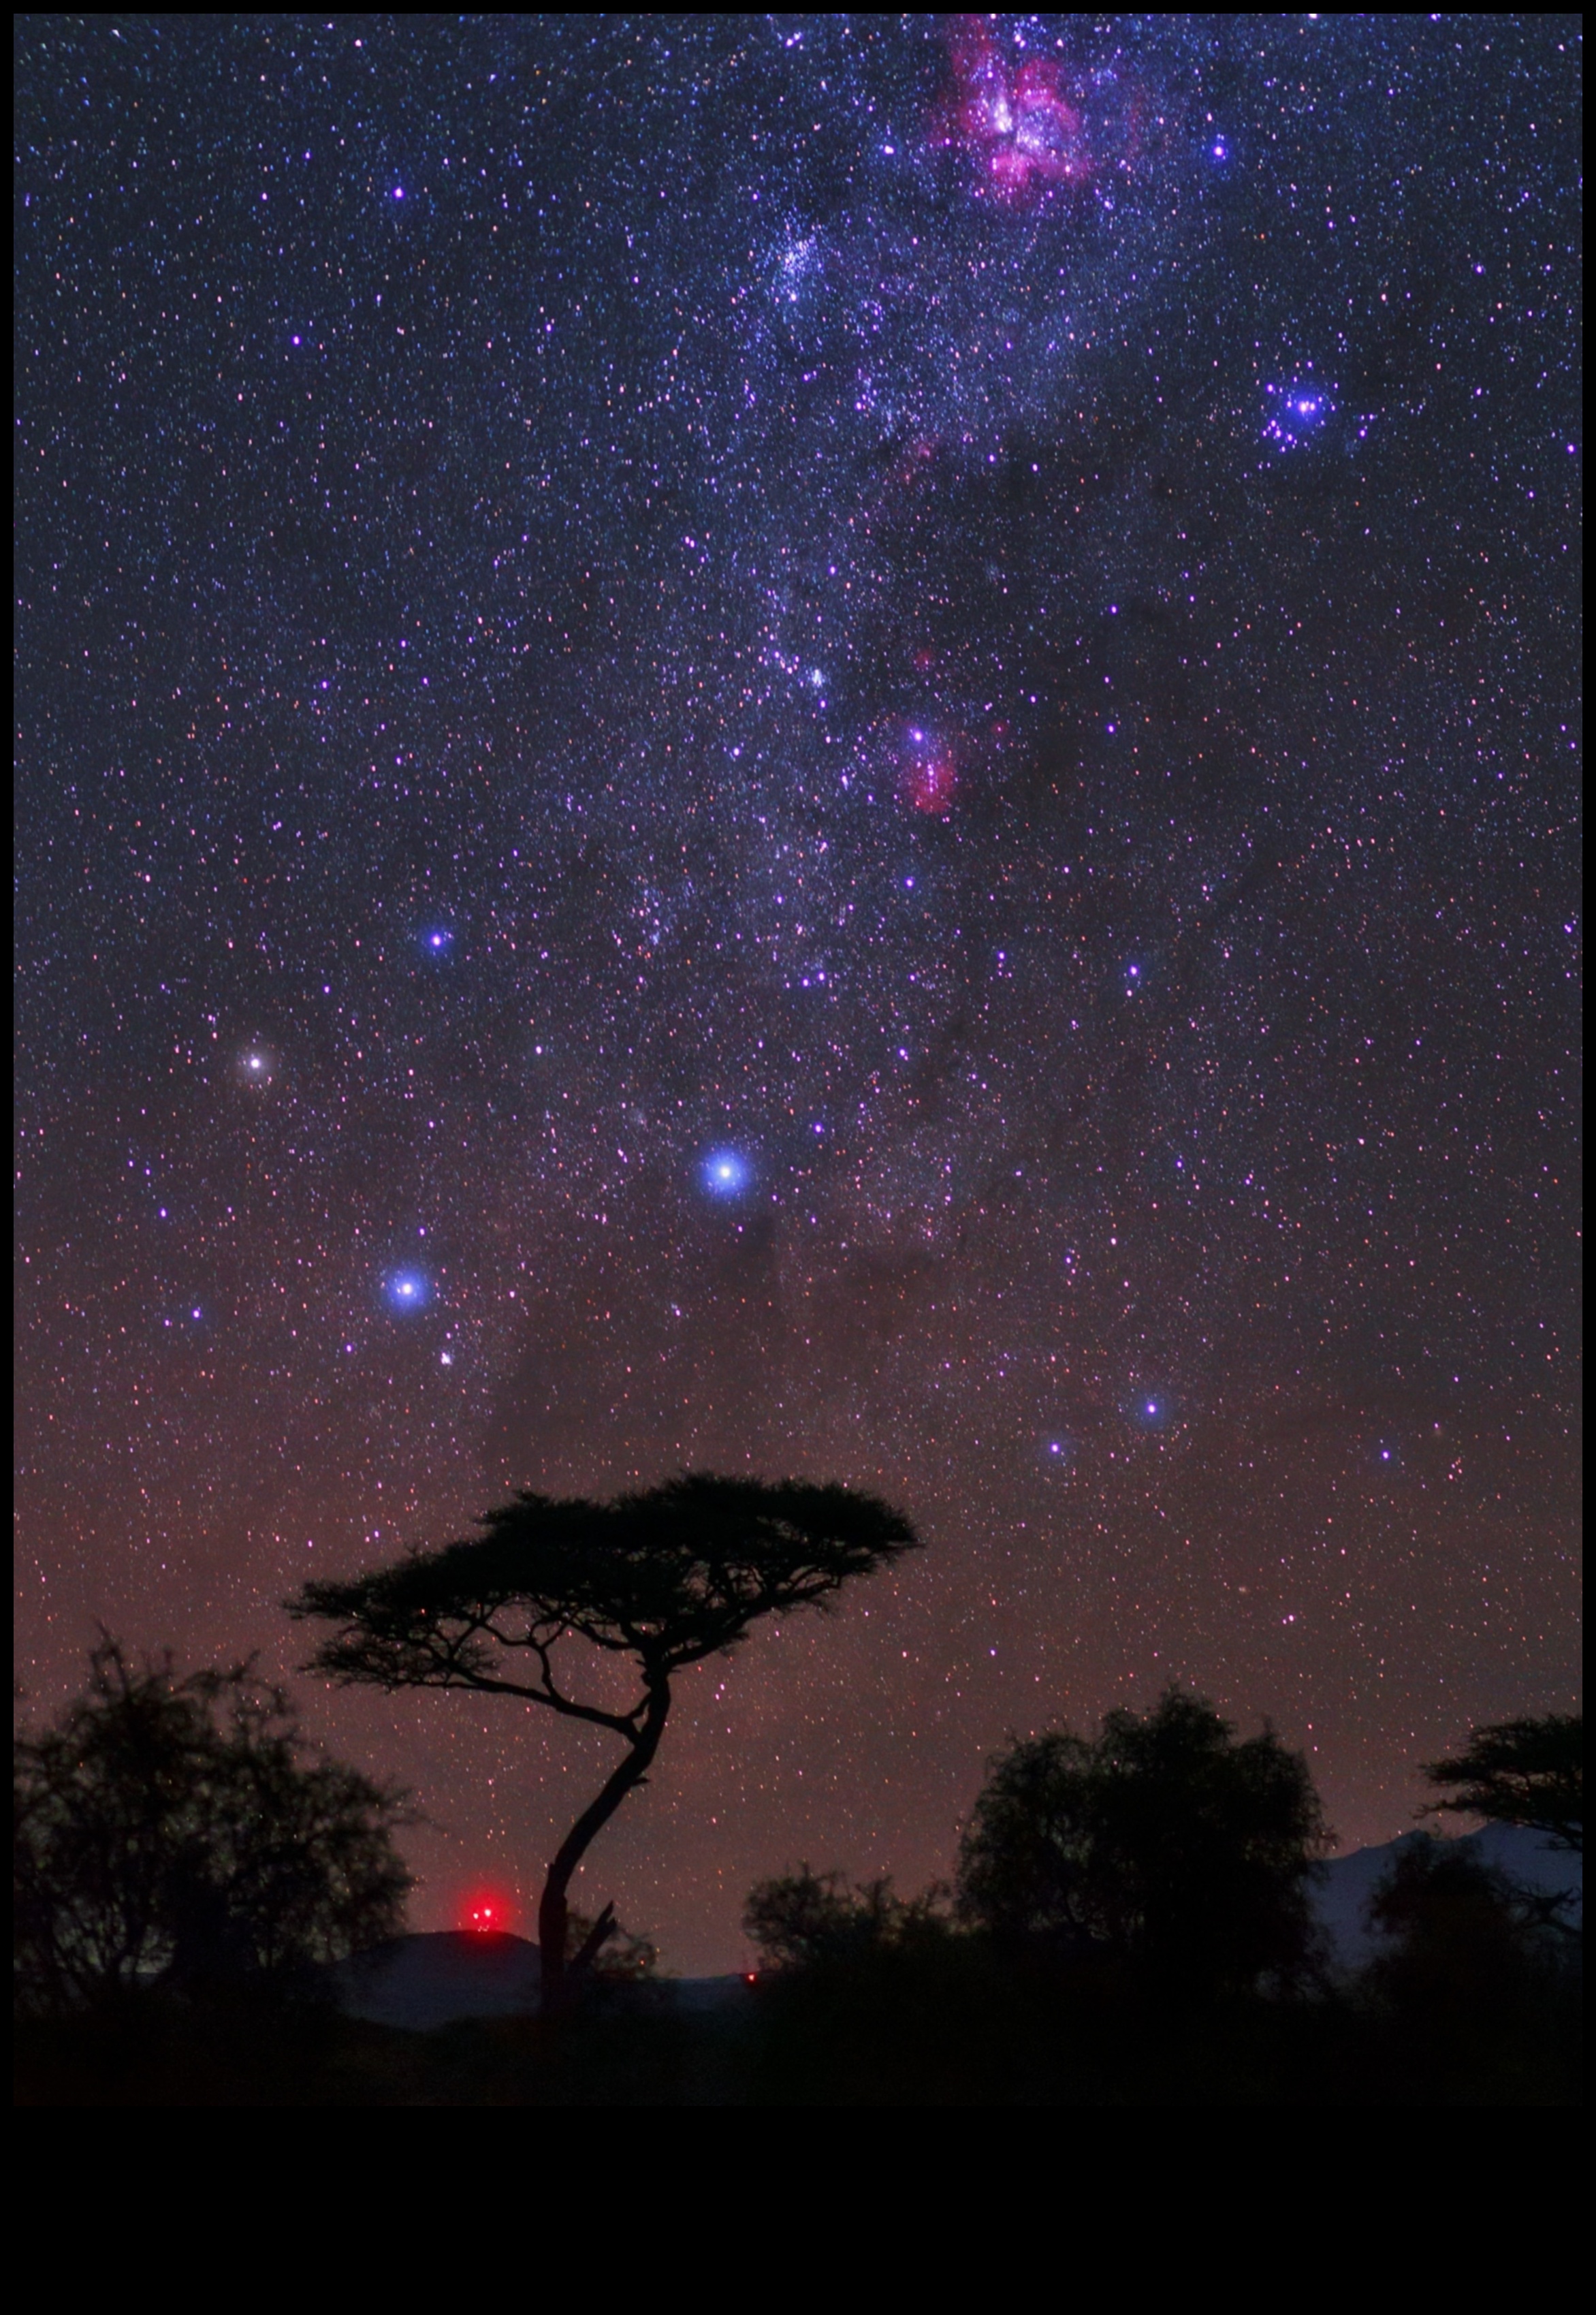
(602, 1929)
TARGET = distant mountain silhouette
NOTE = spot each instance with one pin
(1342, 1898)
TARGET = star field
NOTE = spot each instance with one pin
(842, 745)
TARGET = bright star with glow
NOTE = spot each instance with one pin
(408, 1290)
(726, 1172)
(1149, 1410)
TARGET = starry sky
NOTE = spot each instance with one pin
(836, 745)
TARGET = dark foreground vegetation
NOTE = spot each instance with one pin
(1463, 2016)
(1129, 1924)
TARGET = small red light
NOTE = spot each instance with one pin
(483, 1914)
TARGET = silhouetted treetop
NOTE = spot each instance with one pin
(1162, 1839)
(175, 1832)
(1530, 1772)
(667, 1576)
(800, 1918)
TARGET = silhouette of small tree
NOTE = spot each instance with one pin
(1163, 1839)
(658, 1580)
(800, 1918)
(1528, 1772)
(170, 1834)
(1476, 1984)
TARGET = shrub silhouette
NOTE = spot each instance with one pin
(623, 1957)
(657, 1581)
(803, 1919)
(1163, 1840)
(1475, 1991)
(170, 1834)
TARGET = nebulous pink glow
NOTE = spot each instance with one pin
(929, 783)
(1020, 127)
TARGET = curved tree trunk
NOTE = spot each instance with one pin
(559, 1980)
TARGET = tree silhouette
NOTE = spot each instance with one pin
(659, 1580)
(1530, 1772)
(1473, 1987)
(1163, 1839)
(800, 1919)
(168, 1833)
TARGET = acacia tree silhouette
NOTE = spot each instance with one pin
(661, 1578)
(1530, 1772)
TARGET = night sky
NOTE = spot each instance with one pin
(834, 745)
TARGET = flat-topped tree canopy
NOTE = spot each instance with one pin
(662, 1577)
(666, 1576)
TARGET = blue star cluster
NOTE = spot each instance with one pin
(835, 744)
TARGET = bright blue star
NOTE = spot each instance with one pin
(1149, 1410)
(726, 1172)
(437, 940)
(408, 1290)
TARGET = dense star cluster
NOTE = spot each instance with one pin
(823, 745)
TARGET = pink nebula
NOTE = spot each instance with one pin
(1022, 130)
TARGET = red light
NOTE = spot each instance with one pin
(485, 1913)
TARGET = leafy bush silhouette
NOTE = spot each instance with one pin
(806, 1919)
(171, 1835)
(1163, 1840)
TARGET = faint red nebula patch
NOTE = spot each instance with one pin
(1022, 131)
(485, 1910)
(929, 781)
